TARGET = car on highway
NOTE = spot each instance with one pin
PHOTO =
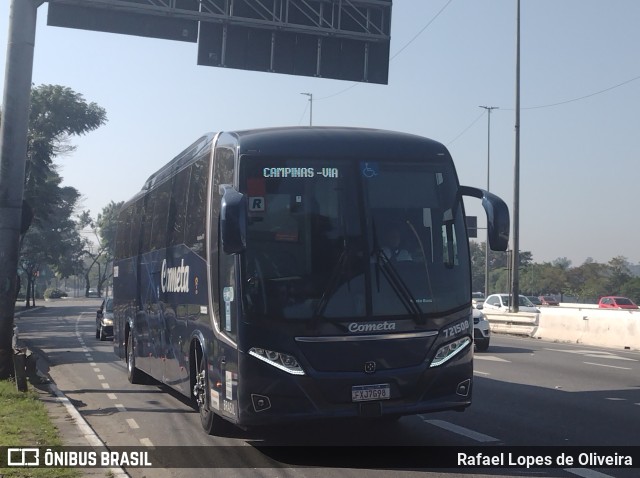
(548, 300)
(501, 302)
(477, 299)
(481, 331)
(534, 300)
(104, 320)
(614, 302)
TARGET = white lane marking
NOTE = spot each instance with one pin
(478, 372)
(100, 377)
(614, 399)
(594, 354)
(96, 370)
(105, 386)
(477, 436)
(93, 364)
(587, 473)
(112, 396)
(120, 407)
(608, 366)
(490, 358)
(146, 442)
(88, 354)
(84, 428)
(132, 423)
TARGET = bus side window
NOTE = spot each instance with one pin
(160, 213)
(122, 249)
(178, 208)
(147, 227)
(196, 206)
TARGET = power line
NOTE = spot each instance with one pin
(420, 32)
(467, 128)
(550, 104)
(396, 53)
(583, 97)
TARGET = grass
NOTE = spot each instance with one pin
(24, 422)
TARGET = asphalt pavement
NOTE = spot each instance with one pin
(73, 429)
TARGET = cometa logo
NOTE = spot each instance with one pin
(175, 279)
(371, 326)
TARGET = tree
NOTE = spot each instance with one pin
(588, 282)
(107, 223)
(56, 114)
(52, 241)
(98, 252)
(619, 274)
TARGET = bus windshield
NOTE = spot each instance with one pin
(352, 240)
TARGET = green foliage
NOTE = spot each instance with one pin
(24, 422)
(57, 113)
(588, 282)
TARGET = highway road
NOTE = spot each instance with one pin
(527, 392)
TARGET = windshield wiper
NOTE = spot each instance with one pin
(334, 280)
(399, 286)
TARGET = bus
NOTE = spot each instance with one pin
(257, 273)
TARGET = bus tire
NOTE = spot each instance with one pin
(133, 374)
(208, 419)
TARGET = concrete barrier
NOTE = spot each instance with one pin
(522, 323)
(578, 324)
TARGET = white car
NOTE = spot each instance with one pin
(500, 303)
(481, 331)
(477, 299)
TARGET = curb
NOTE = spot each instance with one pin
(83, 431)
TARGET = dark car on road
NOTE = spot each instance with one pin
(104, 320)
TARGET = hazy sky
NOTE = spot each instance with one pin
(580, 160)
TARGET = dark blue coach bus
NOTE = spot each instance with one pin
(299, 273)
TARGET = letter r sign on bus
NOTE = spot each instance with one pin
(256, 204)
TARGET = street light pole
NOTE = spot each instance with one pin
(310, 95)
(515, 256)
(13, 156)
(486, 244)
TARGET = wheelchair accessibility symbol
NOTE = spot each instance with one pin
(369, 170)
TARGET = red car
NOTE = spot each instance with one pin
(616, 303)
(548, 300)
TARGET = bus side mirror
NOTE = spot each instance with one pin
(497, 216)
(233, 220)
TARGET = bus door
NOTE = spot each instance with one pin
(226, 353)
(226, 297)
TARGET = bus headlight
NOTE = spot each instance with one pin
(281, 361)
(450, 350)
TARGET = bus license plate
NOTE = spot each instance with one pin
(363, 393)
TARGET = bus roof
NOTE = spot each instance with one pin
(334, 141)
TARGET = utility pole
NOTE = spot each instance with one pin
(13, 156)
(515, 256)
(310, 95)
(486, 243)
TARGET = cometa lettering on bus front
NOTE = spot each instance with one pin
(175, 279)
(372, 327)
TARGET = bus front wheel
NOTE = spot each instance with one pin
(208, 419)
